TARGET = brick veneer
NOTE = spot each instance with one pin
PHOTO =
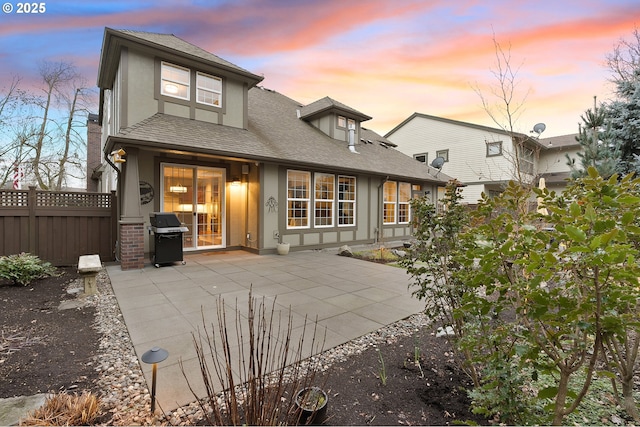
(131, 246)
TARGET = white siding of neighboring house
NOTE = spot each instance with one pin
(468, 161)
(556, 160)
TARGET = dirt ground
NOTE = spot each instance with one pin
(44, 349)
(429, 392)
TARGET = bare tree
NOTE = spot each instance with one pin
(11, 99)
(505, 104)
(624, 61)
(56, 147)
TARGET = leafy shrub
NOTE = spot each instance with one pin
(24, 268)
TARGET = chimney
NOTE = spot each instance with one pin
(94, 159)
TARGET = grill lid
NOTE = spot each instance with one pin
(164, 219)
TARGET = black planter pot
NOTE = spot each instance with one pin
(311, 406)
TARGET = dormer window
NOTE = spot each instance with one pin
(175, 81)
(209, 89)
(343, 122)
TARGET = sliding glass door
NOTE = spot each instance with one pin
(196, 195)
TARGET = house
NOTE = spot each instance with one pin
(482, 158)
(242, 166)
(553, 166)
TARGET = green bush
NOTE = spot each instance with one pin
(24, 268)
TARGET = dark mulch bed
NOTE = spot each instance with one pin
(432, 392)
(44, 349)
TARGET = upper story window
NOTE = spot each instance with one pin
(494, 148)
(343, 122)
(209, 89)
(175, 81)
(444, 154)
(526, 159)
(422, 158)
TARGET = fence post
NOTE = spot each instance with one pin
(32, 220)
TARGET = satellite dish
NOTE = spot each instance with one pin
(539, 128)
(438, 162)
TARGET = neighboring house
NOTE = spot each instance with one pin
(242, 166)
(482, 158)
(553, 166)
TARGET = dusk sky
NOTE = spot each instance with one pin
(387, 59)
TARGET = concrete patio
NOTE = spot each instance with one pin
(163, 306)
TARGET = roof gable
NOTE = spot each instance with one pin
(115, 39)
(327, 105)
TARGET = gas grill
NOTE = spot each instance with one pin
(167, 231)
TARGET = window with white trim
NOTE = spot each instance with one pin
(444, 154)
(390, 190)
(298, 186)
(324, 200)
(526, 161)
(175, 81)
(208, 89)
(404, 197)
(346, 200)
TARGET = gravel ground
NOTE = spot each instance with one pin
(126, 398)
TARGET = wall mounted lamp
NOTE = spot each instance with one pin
(118, 155)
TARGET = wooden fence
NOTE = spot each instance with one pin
(58, 226)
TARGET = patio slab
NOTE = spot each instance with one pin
(164, 306)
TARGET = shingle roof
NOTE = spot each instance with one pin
(562, 141)
(276, 134)
(170, 41)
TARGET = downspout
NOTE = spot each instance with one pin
(119, 205)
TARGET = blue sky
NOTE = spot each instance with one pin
(387, 58)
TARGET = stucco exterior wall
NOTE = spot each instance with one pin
(138, 91)
(271, 213)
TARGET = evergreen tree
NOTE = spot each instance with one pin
(597, 147)
(624, 114)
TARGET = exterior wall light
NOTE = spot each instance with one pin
(118, 155)
(235, 181)
(154, 356)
